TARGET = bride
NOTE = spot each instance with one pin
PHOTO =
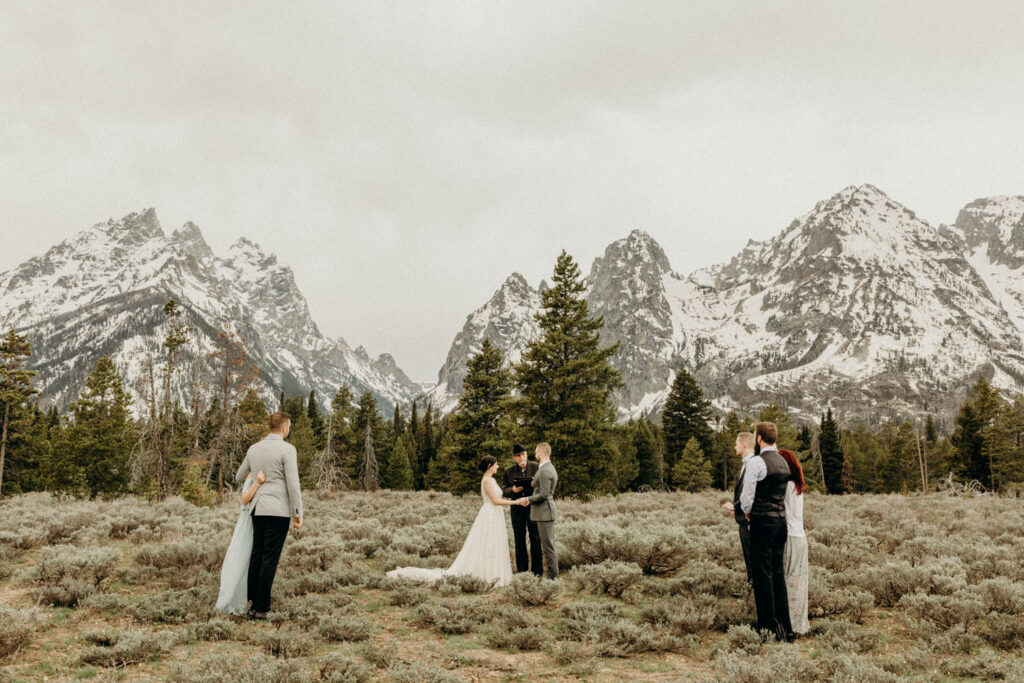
(485, 552)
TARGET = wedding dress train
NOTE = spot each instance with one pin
(485, 553)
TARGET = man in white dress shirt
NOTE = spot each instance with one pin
(744, 450)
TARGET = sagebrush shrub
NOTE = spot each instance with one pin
(406, 593)
(610, 577)
(680, 617)
(285, 643)
(654, 550)
(529, 590)
(339, 627)
(463, 583)
(335, 668)
(214, 629)
(116, 649)
(254, 667)
(17, 627)
(455, 617)
(503, 637)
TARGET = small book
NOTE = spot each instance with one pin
(525, 482)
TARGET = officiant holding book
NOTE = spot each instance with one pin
(517, 483)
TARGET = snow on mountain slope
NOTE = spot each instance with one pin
(102, 293)
(506, 319)
(858, 304)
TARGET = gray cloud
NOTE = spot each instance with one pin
(405, 157)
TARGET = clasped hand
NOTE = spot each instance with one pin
(522, 502)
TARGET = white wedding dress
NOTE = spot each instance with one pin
(485, 553)
(234, 573)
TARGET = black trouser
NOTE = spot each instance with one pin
(767, 544)
(745, 545)
(521, 524)
(268, 534)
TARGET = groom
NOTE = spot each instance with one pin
(276, 502)
(542, 507)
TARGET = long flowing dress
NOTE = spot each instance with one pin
(485, 552)
(234, 572)
(794, 559)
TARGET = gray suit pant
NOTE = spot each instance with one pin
(547, 546)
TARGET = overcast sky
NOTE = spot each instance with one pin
(404, 158)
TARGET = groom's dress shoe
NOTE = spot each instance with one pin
(259, 616)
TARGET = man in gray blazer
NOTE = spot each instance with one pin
(275, 504)
(542, 507)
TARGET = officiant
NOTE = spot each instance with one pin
(517, 482)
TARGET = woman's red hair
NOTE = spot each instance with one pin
(795, 471)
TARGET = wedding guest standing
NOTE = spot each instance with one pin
(763, 502)
(795, 556)
(744, 450)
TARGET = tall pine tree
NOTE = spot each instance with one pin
(15, 386)
(831, 453)
(977, 414)
(686, 416)
(100, 437)
(477, 423)
(565, 380)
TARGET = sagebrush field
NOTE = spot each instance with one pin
(652, 588)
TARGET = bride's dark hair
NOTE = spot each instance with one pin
(486, 462)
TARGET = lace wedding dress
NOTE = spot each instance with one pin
(484, 554)
(234, 572)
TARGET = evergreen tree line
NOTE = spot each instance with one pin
(560, 392)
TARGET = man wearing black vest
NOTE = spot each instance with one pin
(744, 450)
(762, 501)
(521, 523)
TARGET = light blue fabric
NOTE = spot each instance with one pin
(233, 598)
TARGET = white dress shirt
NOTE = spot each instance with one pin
(756, 470)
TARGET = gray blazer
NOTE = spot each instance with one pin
(279, 495)
(542, 502)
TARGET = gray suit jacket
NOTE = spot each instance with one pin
(542, 502)
(279, 496)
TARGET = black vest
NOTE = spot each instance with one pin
(769, 497)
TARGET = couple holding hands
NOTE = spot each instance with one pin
(529, 490)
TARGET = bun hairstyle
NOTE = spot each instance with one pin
(486, 462)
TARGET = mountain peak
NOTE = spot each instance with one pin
(636, 249)
(133, 229)
(190, 237)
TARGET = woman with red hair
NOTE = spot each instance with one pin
(794, 558)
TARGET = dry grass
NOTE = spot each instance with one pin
(903, 588)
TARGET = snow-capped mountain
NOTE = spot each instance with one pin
(103, 291)
(507, 320)
(859, 304)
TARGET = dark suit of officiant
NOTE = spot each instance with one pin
(521, 523)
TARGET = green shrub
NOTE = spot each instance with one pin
(610, 577)
(454, 618)
(406, 593)
(654, 550)
(284, 643)
(516, 638)
(17, 627)
(463, 583)
(116, 649)
(344, 628)
(214, 629)
(529, 590)
(254, 667)
(335, 668)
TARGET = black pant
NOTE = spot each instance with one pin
(521, 524)
(268, 534)
(745, 545)
(767, 544)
